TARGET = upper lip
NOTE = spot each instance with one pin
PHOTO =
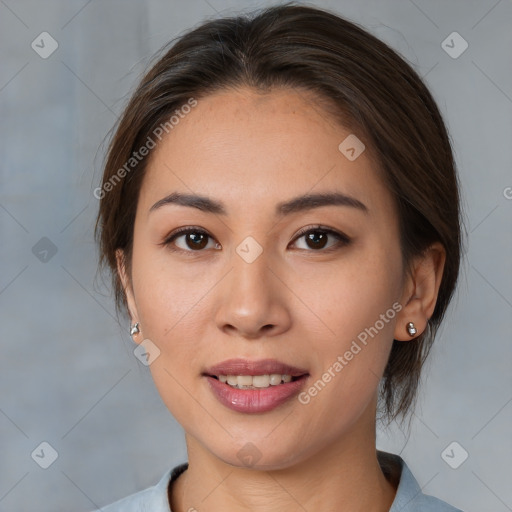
(247, 367)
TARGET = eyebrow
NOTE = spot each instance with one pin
(297, 204)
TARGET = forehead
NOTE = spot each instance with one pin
(252, 149)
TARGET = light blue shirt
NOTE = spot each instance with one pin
(408, 498)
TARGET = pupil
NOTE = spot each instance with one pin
(314, 236)
(197, 238)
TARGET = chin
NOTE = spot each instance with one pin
(259, 454)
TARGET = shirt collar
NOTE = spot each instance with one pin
(408, 488)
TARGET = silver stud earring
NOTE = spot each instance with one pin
(134, 329)
(411, 329)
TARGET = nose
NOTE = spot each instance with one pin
(253, 299)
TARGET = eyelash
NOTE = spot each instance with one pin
(343, 240)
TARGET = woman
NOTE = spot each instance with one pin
(280, 214)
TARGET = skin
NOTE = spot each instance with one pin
(295, 303)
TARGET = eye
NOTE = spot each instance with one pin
(194, 239)
(316, 238)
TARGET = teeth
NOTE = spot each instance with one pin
(275, 379)
(256, 381)
(232, 380)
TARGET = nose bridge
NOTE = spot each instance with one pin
(250, 299)
(251, 270)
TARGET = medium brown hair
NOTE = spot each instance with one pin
(371, 89)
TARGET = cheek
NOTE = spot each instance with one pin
(345, 298)
(167, 292)
(170, 304)
(355, 306)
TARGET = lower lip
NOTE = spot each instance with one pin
(255, 400)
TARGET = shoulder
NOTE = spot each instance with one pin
(152, 499)
(409, 496)
(425, 503)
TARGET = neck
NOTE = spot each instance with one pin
(344, 476)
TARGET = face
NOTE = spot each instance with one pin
(316, 286)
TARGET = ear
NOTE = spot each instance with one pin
(127, 285)
(420, 291)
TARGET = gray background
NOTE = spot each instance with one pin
(68, 375)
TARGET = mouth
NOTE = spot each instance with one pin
(256, 381)
(255, 386)
(258, 374)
